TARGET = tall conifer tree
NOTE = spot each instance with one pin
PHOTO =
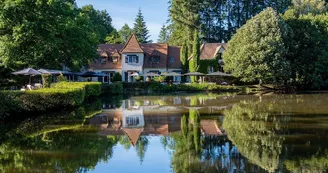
(194, 62)
(140, 29)
(163, 35)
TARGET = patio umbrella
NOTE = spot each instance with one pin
(134, 74)
(91, 74)
(27, 72)
(151, 74)
(170, 74)
(194, 74)
(218, 73)
(46, 71)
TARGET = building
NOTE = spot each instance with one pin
(134, 59)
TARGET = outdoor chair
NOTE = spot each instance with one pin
(29, 87)
(37, 86)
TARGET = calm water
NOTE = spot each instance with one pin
(179, 133)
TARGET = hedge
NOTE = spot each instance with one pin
(92, 89)
(156, 86)
(9, 102)
(50, 98)
(113, 88)
(39, 100)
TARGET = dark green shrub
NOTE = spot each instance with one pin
(46, 80)
(117, 77)
(61, 78)
(92, 89)
(9, 102)
(113, 88)
(50, 98)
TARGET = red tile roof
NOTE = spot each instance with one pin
(132, 46)
(174, 52)
(158, 49)
(210, 50)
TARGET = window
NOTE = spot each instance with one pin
(210, 69)
(132, 121)
(220, 56)
(171, 59)
(155, 59)
(103, 60)
(114, 59)
(131, 59)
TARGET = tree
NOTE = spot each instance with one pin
(125, 32)
(258, 50)
(184, 57)
(194, 62)
(307, 51)
(303, 7)
(102, 22)
(217, 20)
(45, 34)
(114, 38)
(185, 19)
(140, 29)
(163, 35)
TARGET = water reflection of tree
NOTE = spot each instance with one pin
(68, 147)
(247, 127)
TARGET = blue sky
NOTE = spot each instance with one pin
(155, 12)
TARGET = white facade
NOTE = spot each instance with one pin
(132, 114)
(130, 66)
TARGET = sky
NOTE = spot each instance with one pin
(155, 12)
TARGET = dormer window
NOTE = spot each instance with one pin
(155, 59)
(103, 60)
(115, 59)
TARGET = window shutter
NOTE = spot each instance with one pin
(137, 59)
(126, 59)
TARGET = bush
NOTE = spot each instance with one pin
(61, 78)
(117, 77)
(9, 102)
(113, 88)
(92, 89)
(159, 78)
(46, 80)
(50, 98)
(39, 100)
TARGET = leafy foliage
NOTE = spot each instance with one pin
(307, 55)
(46, 80)
(117, 77)
(114, 38)
(194, 62)
(113, 88)
(258, 50)
(46, 34)
(101, 22)
(125, 32)
(216, 20)
(61, 78)
(92, 89)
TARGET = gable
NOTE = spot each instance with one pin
(132, 46)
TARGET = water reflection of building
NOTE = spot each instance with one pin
(135, 118)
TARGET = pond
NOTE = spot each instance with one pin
(173, 133)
